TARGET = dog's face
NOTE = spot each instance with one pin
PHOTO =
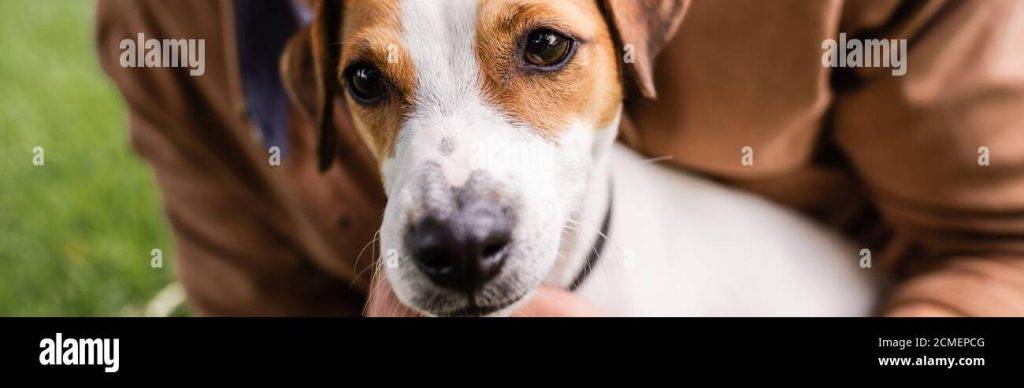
(487, 117)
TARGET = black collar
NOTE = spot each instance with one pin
(595, 253)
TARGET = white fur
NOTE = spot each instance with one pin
(440, 39)
(683, 245)
(679, 245)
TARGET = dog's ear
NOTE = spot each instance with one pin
(299, 74)
(642, 28)
(309, 68)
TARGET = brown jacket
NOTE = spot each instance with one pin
(893, 161)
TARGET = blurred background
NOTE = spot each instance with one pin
(76, 234)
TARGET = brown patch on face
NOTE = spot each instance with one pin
(372, 32)
(587, 88)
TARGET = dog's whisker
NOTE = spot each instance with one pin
(374, 283)
(355, 265)
(360, 276)
(376, 237)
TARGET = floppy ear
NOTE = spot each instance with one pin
(309, 68)
(642, 28)
(299, 74)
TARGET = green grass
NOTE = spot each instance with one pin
(76, 233)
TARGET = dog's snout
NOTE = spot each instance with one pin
(464, 250)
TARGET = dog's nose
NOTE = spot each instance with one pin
(463, 251)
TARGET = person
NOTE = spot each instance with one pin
(923, 169)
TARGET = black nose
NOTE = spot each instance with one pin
(464, 250)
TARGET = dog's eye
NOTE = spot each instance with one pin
(365, 83)
(547, 50)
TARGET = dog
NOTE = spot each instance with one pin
(494, 125)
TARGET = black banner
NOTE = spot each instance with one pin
(120, 348)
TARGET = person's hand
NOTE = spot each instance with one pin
(545, 302)
(556, 302)
(920, 310)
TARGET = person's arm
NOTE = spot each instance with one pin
(245, 245)
(942, 150)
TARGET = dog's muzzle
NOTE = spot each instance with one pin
(460, 239)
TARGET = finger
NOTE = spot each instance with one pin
(384, 303)
(553, 302)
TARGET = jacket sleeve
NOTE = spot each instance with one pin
(246, 244)
(941, 149)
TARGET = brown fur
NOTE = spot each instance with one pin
(370, 29)
(646, 26)
(586, 89)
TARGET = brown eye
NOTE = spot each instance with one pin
(365, 83)
(547, 50)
